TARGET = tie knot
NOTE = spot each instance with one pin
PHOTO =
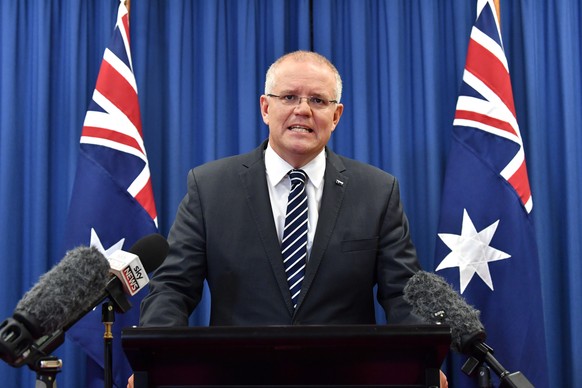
(297, 176)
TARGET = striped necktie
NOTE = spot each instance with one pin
(294, 244)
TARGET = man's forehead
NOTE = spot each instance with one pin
(294, 76)
(291, 64)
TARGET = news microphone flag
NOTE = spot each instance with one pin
(112, 204)
(128, 268)
(486, 243)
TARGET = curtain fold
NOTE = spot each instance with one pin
(49, 56)
(401, 63)
(551, 101)
(200, 69)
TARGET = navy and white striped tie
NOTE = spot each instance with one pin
(294, 244)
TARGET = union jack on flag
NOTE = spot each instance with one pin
(113, 117)
(486, 239)
(112, 203)
(486, 99)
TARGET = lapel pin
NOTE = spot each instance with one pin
(339, 183)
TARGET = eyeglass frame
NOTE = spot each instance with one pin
(309, 100)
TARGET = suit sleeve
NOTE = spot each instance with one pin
(176, 286)
(397, 261)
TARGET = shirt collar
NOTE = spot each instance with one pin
(277, 168)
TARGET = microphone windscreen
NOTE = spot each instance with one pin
(151, 250)
(62, 292)
(430, 295)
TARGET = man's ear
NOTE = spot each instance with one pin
(264, 105)
(339, 109)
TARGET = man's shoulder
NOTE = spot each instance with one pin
(354, 167)
(228, 163)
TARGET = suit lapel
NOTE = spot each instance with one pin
(254, 183)
(335, 183)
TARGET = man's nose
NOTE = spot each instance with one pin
(303, 107)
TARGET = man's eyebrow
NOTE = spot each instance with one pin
(295, 92)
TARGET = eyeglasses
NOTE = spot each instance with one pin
(313, 102)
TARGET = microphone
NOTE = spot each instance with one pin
(434, 300)
(54, 300)
(62, 296)
(60, 293)
(128, 269)
(132, 267)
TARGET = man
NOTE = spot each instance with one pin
(230, 227)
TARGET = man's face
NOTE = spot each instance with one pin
(297, 133)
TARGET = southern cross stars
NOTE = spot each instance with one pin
(471, 252)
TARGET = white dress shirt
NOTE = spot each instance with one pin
(280, 185)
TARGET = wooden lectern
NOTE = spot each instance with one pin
(287, 356)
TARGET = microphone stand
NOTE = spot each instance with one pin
(484, 377)
(38, 358)
(108, 317)
(117, 302)
(46, 372)
(483, 353)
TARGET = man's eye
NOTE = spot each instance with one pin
(289, 97)
(317, 100)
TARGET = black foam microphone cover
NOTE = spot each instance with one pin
(434, 300)
(63, 291)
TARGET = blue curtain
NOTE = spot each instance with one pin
(200, 70)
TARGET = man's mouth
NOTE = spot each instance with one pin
(300, 129)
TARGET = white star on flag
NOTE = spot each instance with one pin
(96, 242)
(471, 252)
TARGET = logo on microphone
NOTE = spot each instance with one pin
(131, 279)
(138, 271)
(128, 268)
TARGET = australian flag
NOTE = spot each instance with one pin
(486, 244)
(112, 204)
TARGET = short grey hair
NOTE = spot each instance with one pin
(303, 56)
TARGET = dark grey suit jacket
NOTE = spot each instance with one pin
(224, 232)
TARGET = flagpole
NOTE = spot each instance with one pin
(496, 2)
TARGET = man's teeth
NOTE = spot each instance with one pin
(298, 128)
